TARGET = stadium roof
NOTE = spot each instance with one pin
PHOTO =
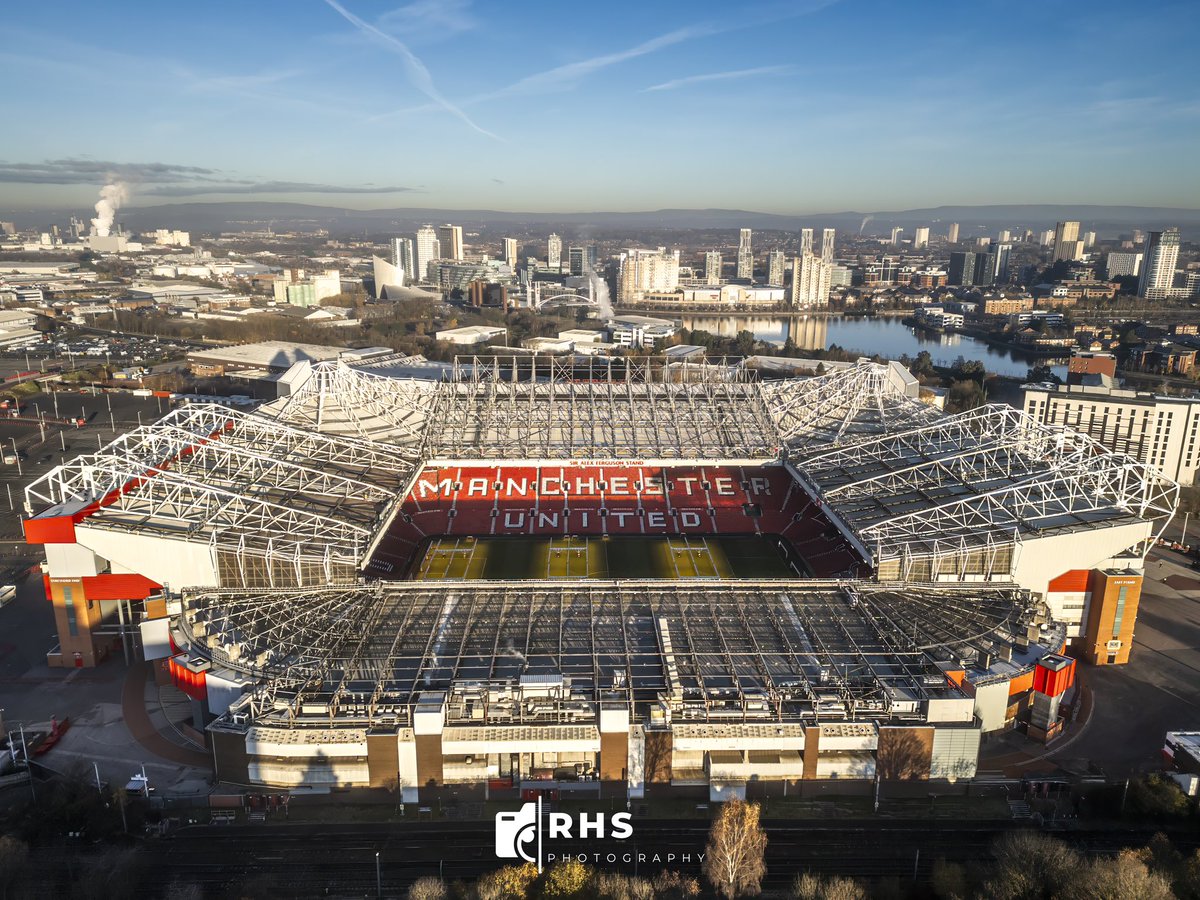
(709, 650)
(987, 476)
(239, 482)
(308, 481)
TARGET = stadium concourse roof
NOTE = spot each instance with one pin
(708, 650)
(307, 481)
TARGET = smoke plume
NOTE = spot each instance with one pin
(600, 289)
(865, 220)
(111, 197)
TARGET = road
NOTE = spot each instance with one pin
(1156, 692)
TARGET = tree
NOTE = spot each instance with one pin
(1030, 866)
(569, 878)
(1188, 883)
(964, 395)
(734, 858)
(1124, 877)
(814, 887)
(509, 883)
(1041, 373)
(964, 369)
(1155, 796)
(617, 886)
(675, 886)
(745, 342)
(428, 888)
(948, 881)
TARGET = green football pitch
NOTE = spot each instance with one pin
(508, 558)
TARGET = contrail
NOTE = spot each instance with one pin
(418, 74)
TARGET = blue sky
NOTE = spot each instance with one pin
(791, 107)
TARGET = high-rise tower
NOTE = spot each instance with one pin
(745, 263)
(1158, 265)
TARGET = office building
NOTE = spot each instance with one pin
(1003, 254)
(806, 240)
(404, 258)
(644, 271)
(985, 269)
(921, 238)
(811, 276)
(896, 232)
(1159, 431)
(428, 249)
(1004, 237)
(827, 237)
(775, 268)
(952, 233)
(576, 257)
(554, 252)
(1158, 268)
(1119, 264)
(1089, 240)
(295, 289)
(712, 268)
(961, 271)
(451, 237)
(510, 253)
(1066, 241)
(1046, 238)
(745, 258)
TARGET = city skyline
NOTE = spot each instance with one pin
(425, 104)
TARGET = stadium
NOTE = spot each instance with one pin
(613, 577)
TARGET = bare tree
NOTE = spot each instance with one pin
(1124, 877)
(813, 887)
(734, 861)
(1030, 866)
(948, 881)
(428, 888)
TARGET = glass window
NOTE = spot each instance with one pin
(69, 604)
(1120, 616)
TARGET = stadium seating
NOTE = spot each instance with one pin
(561, 499)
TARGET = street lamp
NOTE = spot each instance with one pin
(378, 877)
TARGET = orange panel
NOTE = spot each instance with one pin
(50, 530)
(1075, 581)
(1021, 684)
(119, 587)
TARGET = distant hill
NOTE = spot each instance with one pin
(1108, 221)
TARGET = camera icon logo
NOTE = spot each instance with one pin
(519, 834)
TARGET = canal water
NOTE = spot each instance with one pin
(887, 336)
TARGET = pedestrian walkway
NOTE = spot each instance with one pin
(138, 721)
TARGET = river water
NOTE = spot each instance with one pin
(887, 336)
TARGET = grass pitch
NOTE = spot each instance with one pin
(572, 557)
